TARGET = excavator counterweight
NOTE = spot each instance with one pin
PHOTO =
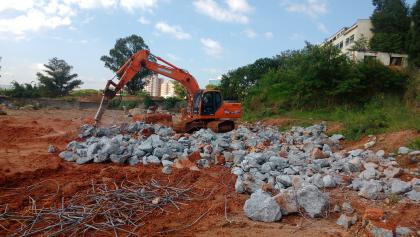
(206, 108)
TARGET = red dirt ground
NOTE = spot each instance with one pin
(25, 162)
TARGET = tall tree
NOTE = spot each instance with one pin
(414, 36)
(57, 79)
(391, 23)
(123, 49)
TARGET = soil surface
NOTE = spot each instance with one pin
(28, 171)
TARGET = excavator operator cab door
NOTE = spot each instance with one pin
(207, 102)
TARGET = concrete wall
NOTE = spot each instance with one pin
(384, 58)
(53, 103)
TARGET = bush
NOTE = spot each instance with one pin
(148, 102)
(118, 103)
(170, 102)
(23, 91)
(321, 77)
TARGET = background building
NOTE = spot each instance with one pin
(345, 38)
(156, 86)
(153, 85)
(167, 89)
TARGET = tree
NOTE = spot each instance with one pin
(180, 90)
(57, 79)
(361, 45)
(414, 35)
(390, 21)
(123, 49)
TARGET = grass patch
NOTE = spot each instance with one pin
(415, 144)
(382, 114)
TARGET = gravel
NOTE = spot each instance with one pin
(298, 163)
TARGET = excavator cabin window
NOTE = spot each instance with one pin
(211, 101)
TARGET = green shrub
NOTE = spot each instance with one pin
(148, 101)
(26, 90)
(170, 102)
(320, 76)
(118, 103)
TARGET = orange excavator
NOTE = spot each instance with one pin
(206, 108)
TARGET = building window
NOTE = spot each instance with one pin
(340, 45)
(347, 41)
(351, 39)
(395, 61)
(369, 57)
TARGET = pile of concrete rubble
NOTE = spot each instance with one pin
(283, 171)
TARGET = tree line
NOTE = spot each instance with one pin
(321, 76)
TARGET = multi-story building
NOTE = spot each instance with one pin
(345, 38)
(167, 89)
(215, 82)
(153, 85)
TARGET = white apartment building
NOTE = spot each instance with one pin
(153, 85)
(167, 89)
(344, 39)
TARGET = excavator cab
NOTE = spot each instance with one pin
(206, 102)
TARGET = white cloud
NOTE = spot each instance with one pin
(211, 47)
(89, 4)
(250, 33)
(31, 16)
(239, 5)
(33, 20)
(312, 8)
(236, 10)
(143, 20)
(18, 5)
(268, 35)
(37, 67)
(138, 4)
(321, 27)
(173, 30)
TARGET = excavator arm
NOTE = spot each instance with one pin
(134, 65)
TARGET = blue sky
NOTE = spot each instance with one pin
(205, 37)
